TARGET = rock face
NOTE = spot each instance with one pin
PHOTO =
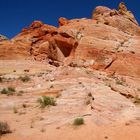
(122, 19)
(128, 14)
(109, 42)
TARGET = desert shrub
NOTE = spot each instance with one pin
(8, 91)
(4, 91)
(119, 82)
(90, 94)
(27, 70)
(25, 78)
(78, 121)
(46, 101)
(11, 89)
(4, 79)
(136, 100)
(4, 128)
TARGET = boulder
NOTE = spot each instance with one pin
(63, 21)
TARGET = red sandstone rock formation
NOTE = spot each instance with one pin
(109, 41)
(63, 21)
(122, 19)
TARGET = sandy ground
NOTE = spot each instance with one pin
(106, 105)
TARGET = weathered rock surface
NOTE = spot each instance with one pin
(122, 19)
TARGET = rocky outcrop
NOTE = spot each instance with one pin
(122, 19)
(109, 42)
(128, 14)
(36, 24)
(2, 38)
(44, 42)
(62, 21)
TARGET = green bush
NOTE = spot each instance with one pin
(4, 128)
(46, 101)
(78, 121)
(25, 78)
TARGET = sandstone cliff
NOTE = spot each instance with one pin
(109, 41)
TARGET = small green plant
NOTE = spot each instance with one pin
(46, 101)
(4, 128)
(25, 78)
(78, 121)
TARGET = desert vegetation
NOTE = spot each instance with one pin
(8, 91)
(25, 78)
(4, 128)
(46, 101)
(136, 100)
(78, 121)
